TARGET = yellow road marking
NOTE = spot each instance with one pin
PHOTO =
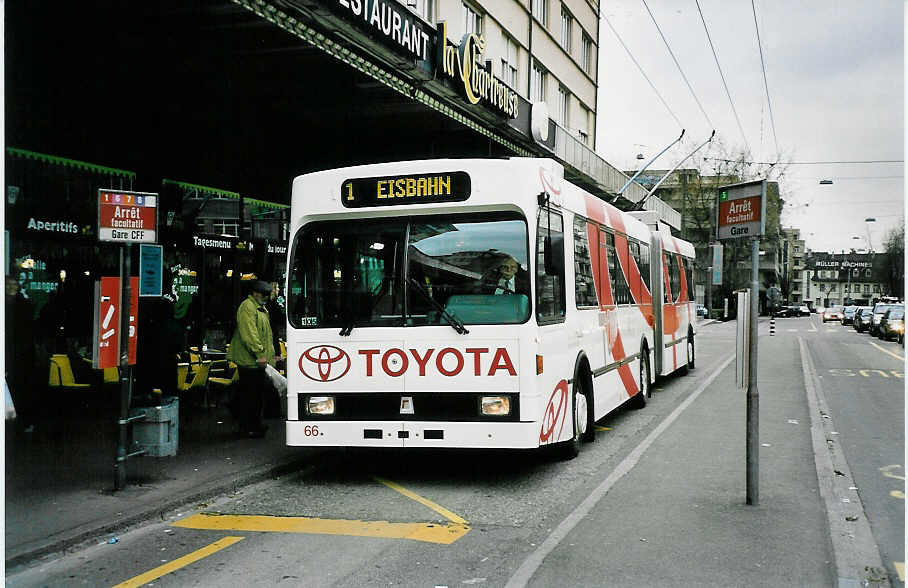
(424, 501)
(884, 350)
(179, 562)
(898, 494)
(887, 471)
(427, 532)
(598, 428)
(900, 568)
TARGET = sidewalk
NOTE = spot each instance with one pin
(59, 489)
(678, 516)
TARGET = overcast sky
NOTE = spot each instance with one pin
(835, 73)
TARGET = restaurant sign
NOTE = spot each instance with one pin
(462, 63)
(390, 21)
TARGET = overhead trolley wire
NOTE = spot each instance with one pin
(670, 52)
(772, 121)
(722, 75)
(646, 77)
(805, 162)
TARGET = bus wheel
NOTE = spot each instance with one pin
(639, 399)
(571, 448)
(691, 351)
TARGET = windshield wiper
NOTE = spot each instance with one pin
(455, 322)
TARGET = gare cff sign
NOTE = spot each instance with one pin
(127, 217)
(742, 210)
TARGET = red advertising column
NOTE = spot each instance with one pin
(106, 351)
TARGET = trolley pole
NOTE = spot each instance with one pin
(753, 395)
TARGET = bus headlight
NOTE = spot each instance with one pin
(495, 405)
(320, 405)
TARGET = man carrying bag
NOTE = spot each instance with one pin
(252, 349)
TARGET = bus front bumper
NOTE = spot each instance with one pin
(481, 435)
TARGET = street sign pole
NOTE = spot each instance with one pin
(125, 374)
(753, 395)
(742, 215)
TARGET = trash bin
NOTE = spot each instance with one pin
(158, 432)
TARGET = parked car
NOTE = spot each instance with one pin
(803, 310)
(862, 318)
(782, 312)
(833, 313)
(701, 310)
(848, 314)
(820, 310)
(879, 309)
(892, 325)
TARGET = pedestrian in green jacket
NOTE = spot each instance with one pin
(251, 349)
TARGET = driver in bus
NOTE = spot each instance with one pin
(505, 278)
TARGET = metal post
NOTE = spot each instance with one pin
(753, 396)
(709, 293)
(125, 376)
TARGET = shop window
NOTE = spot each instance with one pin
(866, 288)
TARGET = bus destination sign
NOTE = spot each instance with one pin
(406, 189)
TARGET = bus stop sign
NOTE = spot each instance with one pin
(742, 210)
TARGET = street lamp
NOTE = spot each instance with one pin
(825, 182)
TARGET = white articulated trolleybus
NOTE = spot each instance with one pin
(474, 303)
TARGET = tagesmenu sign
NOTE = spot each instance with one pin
(127, 217)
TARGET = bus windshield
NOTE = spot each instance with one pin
(413, 271)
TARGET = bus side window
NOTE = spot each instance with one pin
(550, 299)
(644, 264)
(634, 248)
(675, 275)
(620, 291)
(584, 284)
(666, 276)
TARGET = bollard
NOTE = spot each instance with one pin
(772, 326)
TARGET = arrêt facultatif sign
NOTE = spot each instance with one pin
(127, 217)
(742, 210)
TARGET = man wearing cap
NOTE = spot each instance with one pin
(251, 349)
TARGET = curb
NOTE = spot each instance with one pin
(856, 553)
(78, 537)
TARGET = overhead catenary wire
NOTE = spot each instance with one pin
(805, 162)
(772, 121)
(722, 75)
(643, 73)
(672, 53)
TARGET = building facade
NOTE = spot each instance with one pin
(841, 279)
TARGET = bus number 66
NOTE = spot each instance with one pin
(311, 431)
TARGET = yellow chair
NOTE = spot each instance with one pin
(61, 374)
(198, 382)
(112, 375)
(221, 383)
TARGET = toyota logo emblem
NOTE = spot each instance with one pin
(324, 363)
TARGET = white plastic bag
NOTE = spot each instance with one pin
(277, 380)
(11, 410)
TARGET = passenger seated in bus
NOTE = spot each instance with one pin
(507, 277)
